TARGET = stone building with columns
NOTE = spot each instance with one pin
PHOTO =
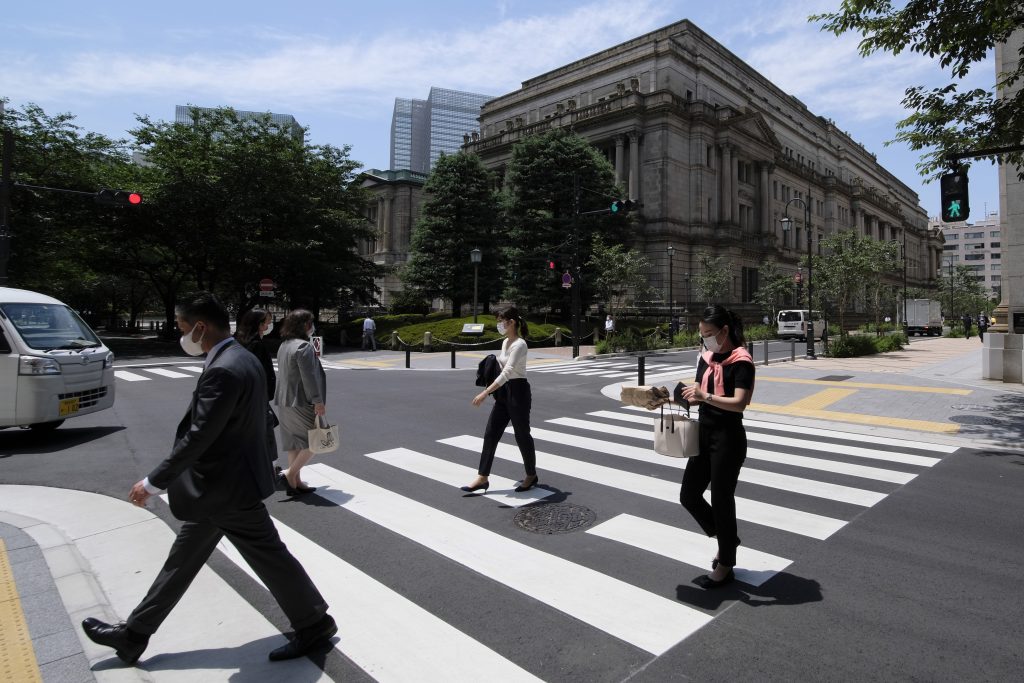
(715, 153)
(393, 209)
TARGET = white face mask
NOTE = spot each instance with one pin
(502, 327)
(192, 348)
(270, 328)
(711, 343)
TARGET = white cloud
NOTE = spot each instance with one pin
(356, 76)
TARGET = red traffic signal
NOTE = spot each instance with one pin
(108, 197)
(552, 265)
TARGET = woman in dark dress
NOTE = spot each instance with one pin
(724, 386)
(250, 333)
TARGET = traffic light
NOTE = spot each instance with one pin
(108, 197)
(622, 206)
(552, 264)
(955, 203)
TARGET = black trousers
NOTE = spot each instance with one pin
(722, 452)
(512, 404)
(254, 535)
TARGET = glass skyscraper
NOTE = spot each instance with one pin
(183, 114)
(421, 130)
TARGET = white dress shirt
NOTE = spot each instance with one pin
(512, 361)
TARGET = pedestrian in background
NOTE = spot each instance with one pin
(967, 325)
(252, 328)
(724, 386)
(982, 326)
(369, 333)
(301, 395)
(609, 327)
(513, 401)
(216, 479)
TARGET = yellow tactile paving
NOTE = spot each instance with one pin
(822, 399)
(375, 363)
(17, 658)
(857, 418)
(870, 385)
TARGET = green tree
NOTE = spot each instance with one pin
(618, 275)
(959, 34)
(881, 262)
(550, 177)
(459, 214)
(842, 271)
(773, 286)
(969, 293)
(713, 282)
(233, 201)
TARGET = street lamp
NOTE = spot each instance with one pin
(952, 317)
(686, 303)
(903, 256)
(787, 223)
(671, 302)
(474, 257)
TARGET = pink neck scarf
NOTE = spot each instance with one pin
(737, 355)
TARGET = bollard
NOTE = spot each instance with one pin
(792, 350)
(408, 357)
(427, 339)
(641, 362)
(765, 342)
(558, 336)
(394, 341)
(453, 358)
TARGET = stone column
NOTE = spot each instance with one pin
(734, 181)
(620, 160)
(387, 222)
(764, 170)
(726, 185)
(634, 166)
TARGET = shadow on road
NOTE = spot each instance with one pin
(782, 589)
(28, 442)
(1001, 423)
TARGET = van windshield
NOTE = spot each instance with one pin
(47, 327)
(790, 317)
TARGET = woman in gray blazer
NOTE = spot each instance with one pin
(300, 395)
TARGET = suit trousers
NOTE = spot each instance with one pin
(254, 535)
(723, 448)
(512, 404)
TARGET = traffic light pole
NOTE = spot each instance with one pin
(5, 204)
(575, 288)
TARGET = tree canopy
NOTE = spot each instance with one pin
(959, 34)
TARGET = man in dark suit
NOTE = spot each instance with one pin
(216, 477)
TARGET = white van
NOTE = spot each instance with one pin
(52, 366)
(793, 325)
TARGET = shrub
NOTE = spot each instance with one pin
(890, 342)
(409, 301)
(684, 339)
(850, 346)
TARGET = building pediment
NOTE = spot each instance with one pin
(752, 127)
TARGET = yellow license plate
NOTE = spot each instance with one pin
(68, 406)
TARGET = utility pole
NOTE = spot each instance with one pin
(575, 289)
(5, 204)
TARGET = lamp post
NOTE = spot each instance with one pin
(474, 257)
(903, 255)
(952, 316)
(787, 223)
(671, 300)
(686, 303)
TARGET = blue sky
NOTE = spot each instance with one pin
(337, 66)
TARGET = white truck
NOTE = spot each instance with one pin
(923, 317)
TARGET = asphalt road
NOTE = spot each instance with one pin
(872, 560)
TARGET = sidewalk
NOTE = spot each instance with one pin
(66, 550)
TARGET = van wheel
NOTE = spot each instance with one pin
(46, 426)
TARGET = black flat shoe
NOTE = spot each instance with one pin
(306, 640)
(298, 490)
(479, 487)
(526, 487)
(707, 583)
(128, 645)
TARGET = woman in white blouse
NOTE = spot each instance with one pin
(512, 403)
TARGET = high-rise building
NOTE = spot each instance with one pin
(421, 130)
(977, 246)
(183, 114)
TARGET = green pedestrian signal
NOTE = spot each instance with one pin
(622, 206)
(955, 203)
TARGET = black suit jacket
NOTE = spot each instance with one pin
(219, 460)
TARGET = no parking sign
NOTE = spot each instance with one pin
(318, 345)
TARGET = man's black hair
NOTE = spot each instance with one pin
(206, 307)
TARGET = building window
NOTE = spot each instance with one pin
(974, 257)
(775, 189)
(973, 235)
(993, 245)
(750, 283)
(993, 233)
(949, 247)
(952, 236)
(996, 255)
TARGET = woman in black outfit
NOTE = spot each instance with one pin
(253, 326)
(724, 386)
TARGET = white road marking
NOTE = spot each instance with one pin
(167, 373)
(130, 376)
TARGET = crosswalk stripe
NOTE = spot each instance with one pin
(787, 519)
(130, 376)
(501, 491)
(753, 566)
(167, 373)
(192, 368)
(375, 621)
(835, 466)
(840, 449)
(627, 612)
(784, 482)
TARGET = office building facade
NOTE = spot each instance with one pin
(978, 246)
(422, 130)
(183, 114)
(716, 155)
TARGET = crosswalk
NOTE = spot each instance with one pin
(145, 373)
(798, 487)
(616, 368)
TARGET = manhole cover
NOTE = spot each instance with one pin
(976, 420)
(834, 378)
(971, 406)
(554, 518)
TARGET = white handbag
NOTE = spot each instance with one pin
(676, 435)
(323, 437)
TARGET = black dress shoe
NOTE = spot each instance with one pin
(523, 486)
(128, 645)
(306, 640)
(707, 583)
